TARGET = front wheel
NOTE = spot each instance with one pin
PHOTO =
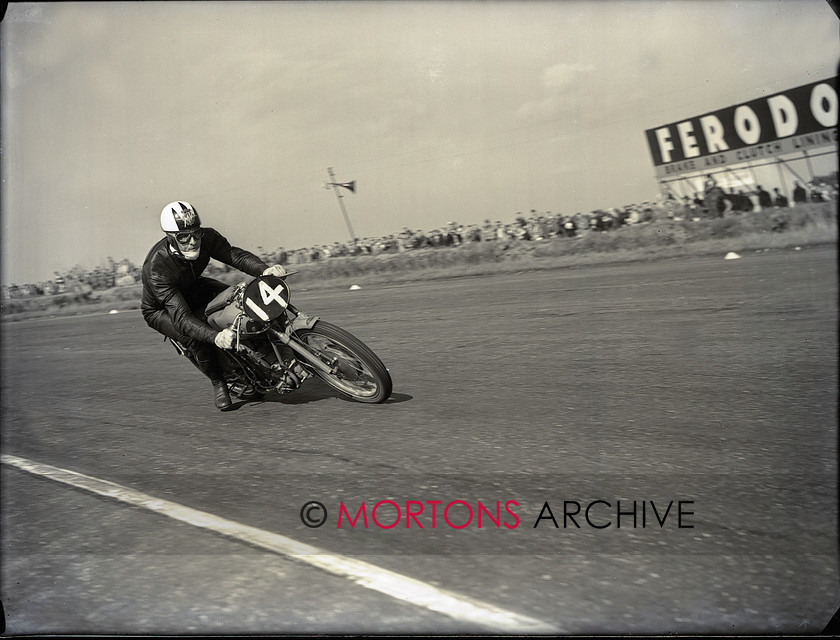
(357, 371)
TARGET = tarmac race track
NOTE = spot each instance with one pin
(653, 447)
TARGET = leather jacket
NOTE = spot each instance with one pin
(169, 281)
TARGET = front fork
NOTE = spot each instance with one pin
(310, 359)
(300, 320)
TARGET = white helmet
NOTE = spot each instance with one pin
(180, 218)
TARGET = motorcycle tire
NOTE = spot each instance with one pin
(361, 374)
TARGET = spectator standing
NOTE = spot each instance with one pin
(714, 197)
(570, 227)
(765, 201)
(488, 231)
(799, 193)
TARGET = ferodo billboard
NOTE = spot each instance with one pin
(801, 118)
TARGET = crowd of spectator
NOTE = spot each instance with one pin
(714, 201)
(80, 280)
(533, 226)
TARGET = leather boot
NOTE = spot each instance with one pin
(221, 397)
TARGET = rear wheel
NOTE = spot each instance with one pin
(357, 371)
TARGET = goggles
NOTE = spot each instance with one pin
(185, 236)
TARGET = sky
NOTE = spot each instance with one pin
(440, 111)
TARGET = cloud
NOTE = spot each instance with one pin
(560, 85)
(565, 75)
(542, 109)
(401, 115)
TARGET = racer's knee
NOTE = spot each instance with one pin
(202, 351)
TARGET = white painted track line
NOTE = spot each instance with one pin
(395, 585)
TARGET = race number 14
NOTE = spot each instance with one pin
(270, 295)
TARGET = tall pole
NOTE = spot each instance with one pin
(808, 162)
(779, 164)
(341, 203)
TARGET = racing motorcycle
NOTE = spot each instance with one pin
(278, 346)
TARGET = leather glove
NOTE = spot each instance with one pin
(225, 339)
(276, 270)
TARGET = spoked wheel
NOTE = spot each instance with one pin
(358, 371)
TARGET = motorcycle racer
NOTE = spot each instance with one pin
(175, 293)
